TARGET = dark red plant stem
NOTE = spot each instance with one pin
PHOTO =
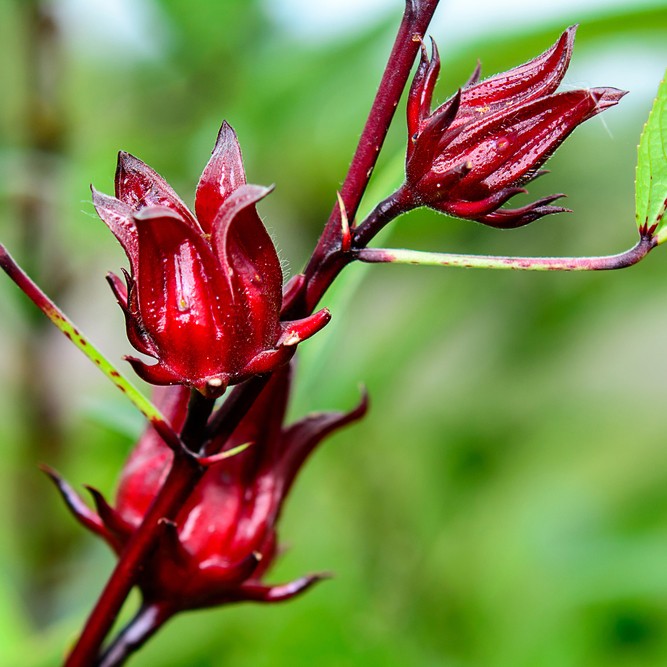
(183, 476)
(146, 622)
(223, 422)
(387, 210)
(199, 410)
(328, 259)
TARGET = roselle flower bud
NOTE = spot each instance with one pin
(224, 539)
(204, 292)
(476, 151)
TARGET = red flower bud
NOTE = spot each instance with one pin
(224, 539)
(475, 151)
(204, 294)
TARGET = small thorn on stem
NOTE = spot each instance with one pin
(346, 236)
(207, 461)
(292, 339)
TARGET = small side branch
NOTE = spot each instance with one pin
(599, 263)
(148, 620)
(67, 327)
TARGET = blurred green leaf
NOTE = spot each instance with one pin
(651, 183)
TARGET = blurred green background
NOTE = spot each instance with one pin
(504, 504)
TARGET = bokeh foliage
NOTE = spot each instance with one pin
(505, 502)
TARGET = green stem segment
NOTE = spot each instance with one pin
(65, 325)
(600, 263)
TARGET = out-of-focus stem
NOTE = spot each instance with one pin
(222, 424)
(42, 130)
(183, 476)
(599, 263)
(147, 621)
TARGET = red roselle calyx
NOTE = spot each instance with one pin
(204, 292)
(224, 538)
(476, 151)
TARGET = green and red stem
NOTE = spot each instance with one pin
(67, 327)
(598, 263)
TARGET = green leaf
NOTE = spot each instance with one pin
(651, 183)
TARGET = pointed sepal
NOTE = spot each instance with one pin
(280, 593)
(139, 186)
(118, 218)
(76, 505)
(539, 77)
(112, 520)
(301, 438)
(519, 217)
(247, 253)
(421, 90)
(222, 175)
(299, 330)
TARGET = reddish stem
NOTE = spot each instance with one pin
(387, 210)
(329, 259)
(183, 476)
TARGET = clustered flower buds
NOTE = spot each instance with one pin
(476, 151)
(204, 294)
(224, 538)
